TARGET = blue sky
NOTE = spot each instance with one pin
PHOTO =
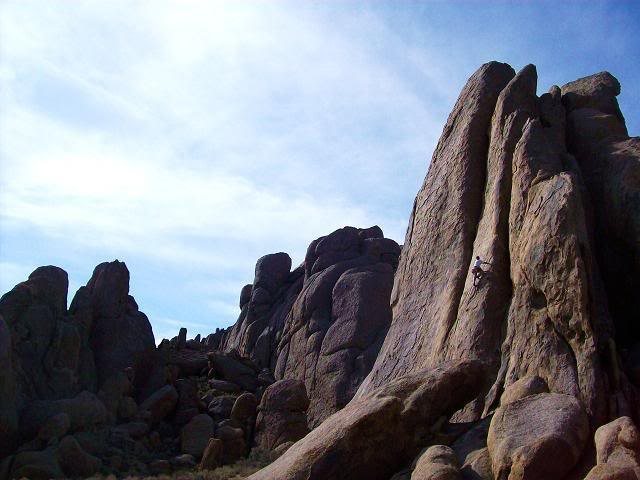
(190, 138)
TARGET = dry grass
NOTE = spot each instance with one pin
(240, 470)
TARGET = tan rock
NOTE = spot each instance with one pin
(529, 385)
(538, 437)
(282, 414)
(438, 462)
(618, 451)
(244, 407)
(438, 246)
(375, 436)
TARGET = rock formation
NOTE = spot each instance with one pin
(372, 361)
(324, 322)
(541, 188)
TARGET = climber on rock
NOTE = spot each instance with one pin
(477, 270)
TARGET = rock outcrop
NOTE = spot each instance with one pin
(541, 188)
(324, 322)
(368, 360)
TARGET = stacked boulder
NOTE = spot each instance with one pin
(324, 322)
(546, 190)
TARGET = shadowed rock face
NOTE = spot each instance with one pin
(610, 165)
(44, 342)
(120, 335)
(324, 322)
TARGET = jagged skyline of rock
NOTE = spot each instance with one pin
(136, 101)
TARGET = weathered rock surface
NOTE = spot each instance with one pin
(438, 462)
(322, 323)
(373, 436)
(618, 451)
(540, 436)
(438, 247)
(282, 414)
(609, 163)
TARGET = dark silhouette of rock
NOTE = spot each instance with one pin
(45, 344)
(195, 435)
(8, 407)
(74, 461)
(121, 335)
(160, 404)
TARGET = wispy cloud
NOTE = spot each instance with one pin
(190, 138)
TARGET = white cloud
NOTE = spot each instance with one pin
(198, 136)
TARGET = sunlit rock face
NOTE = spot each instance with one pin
(546, 190)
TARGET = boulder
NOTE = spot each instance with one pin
(233, 444)
(438, 248)
(224, 386)
(282, 414)
(598, 91)
(528, 385)
(113, 390)
(195, 435)
(188, 401)
(472, 453)
(212, 456)
(121, 335)
(74, 461)
(220, 407)
(160, 404)
(234, 370)
(42, 465)
(55, 427)
(618, 451)
(438, 462)
(537, 437)
(84, 411)
(375, 436)
(244, 407)
(127, 408)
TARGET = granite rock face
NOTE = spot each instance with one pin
(324, 322)
(544, 189)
